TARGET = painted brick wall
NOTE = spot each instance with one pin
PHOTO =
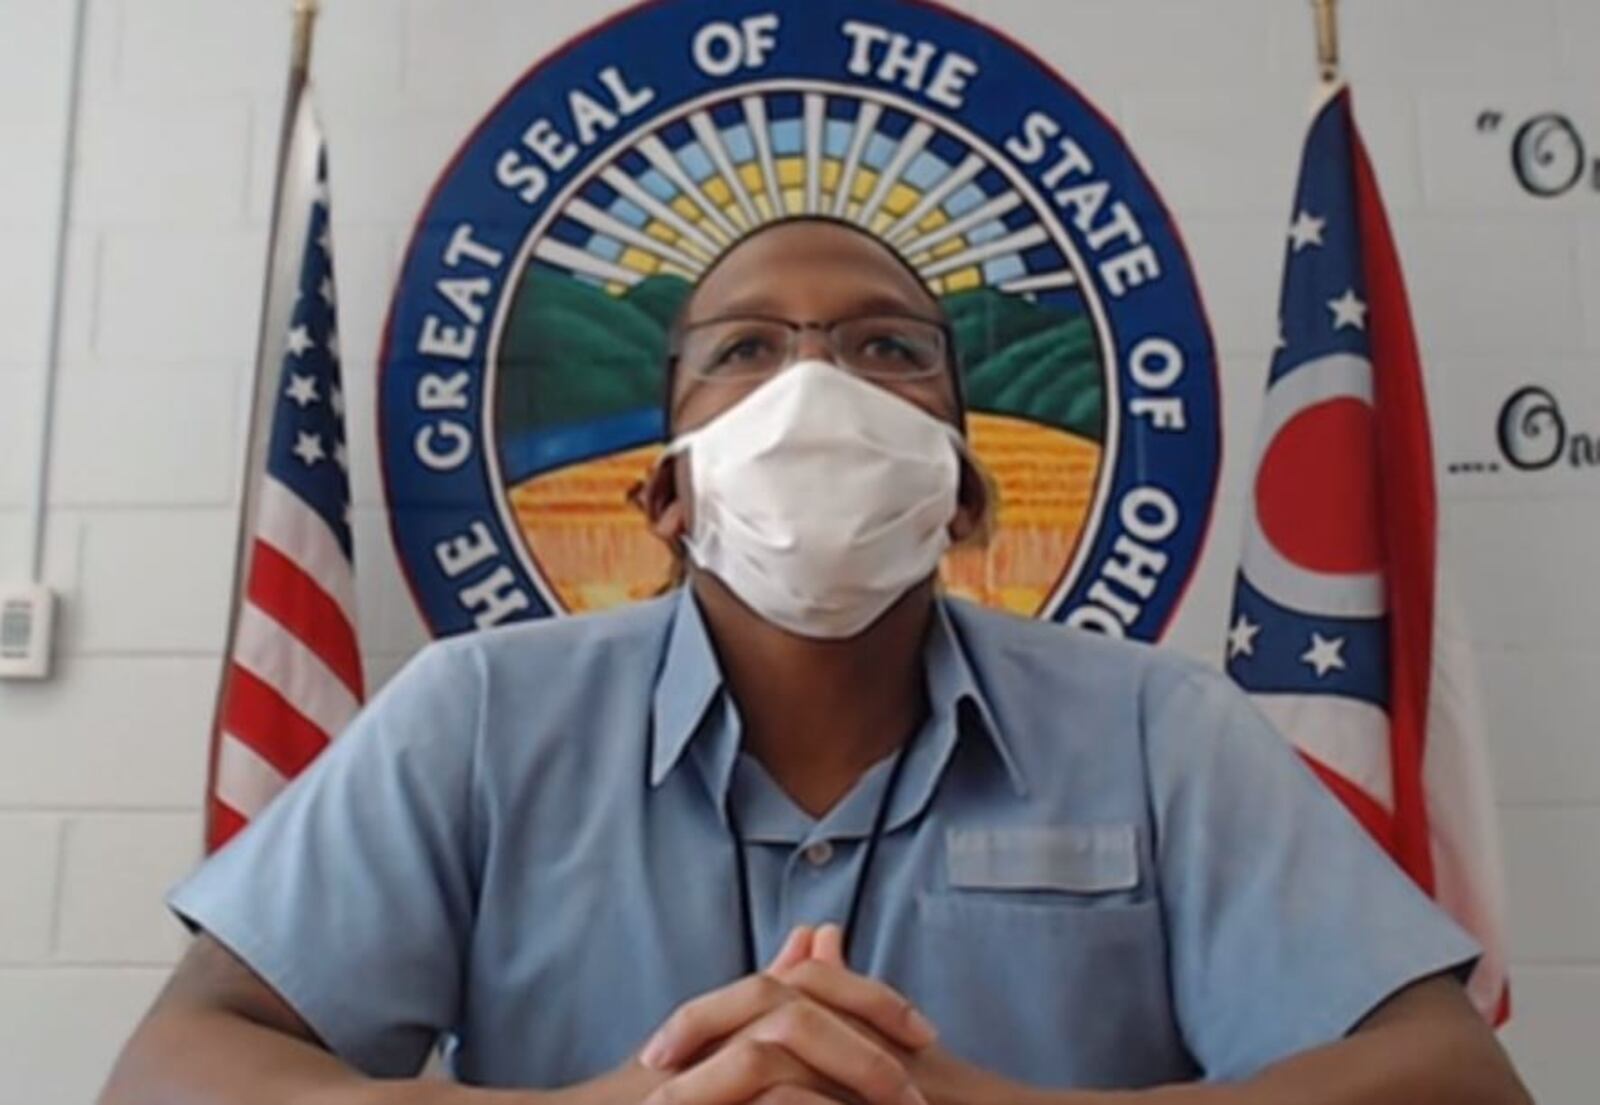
(103, 766)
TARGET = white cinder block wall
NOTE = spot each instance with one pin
(101, 769)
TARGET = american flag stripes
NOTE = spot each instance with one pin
(1341, 630)
(293, 678)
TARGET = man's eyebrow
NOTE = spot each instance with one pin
(881, 304)
(876, 303)
(757, 304)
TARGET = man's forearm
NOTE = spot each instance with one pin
(1403, 1065)
(212, 1057)
(215, 1057)
(1419, 1053)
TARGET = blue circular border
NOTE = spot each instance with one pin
(429, 508)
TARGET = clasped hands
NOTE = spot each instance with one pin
(809, 1031)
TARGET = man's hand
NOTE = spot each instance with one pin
(818, 1004)
(765, 1038)
(942, 1078)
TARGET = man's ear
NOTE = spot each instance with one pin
(977, 504)
(657, 497)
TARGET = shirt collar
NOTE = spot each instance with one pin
(690, 684)
(957, 705)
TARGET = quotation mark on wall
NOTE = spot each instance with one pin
(1548, 154)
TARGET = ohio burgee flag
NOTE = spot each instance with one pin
(1342, 630)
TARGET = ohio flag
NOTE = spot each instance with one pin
(1341, 630)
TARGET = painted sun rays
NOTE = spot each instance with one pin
(692, 187)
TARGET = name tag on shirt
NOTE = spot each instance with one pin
(1080, 859)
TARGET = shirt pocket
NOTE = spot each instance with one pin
(1071, 859)
(1043, 961)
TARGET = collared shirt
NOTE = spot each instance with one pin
(1100, 868)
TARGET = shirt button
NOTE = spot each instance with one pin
(818, 854)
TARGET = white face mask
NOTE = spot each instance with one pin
(821, 498)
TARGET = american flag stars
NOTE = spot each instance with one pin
(308, 431)
(302, 390)
(308, 447)
(1307, 231)
(1348, 310)
(300, 342)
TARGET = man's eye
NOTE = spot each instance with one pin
(889, 346)
(744, 349)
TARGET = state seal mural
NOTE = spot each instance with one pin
(523, 359)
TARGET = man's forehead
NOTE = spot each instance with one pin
(758, 272)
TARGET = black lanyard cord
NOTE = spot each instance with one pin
(879, 821)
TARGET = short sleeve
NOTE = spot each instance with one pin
(352, 894)
(1286, 923)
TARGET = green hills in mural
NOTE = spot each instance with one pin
(1028, 361)
(573, 354)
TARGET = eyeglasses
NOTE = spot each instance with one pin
(754, 347)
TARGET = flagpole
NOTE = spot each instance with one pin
(1327, 12)
(264, 378)
(305, 30)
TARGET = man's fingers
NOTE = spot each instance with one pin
(793, 1095)
(825, 1043)
(828, 945)
(799, 947)
(743, 1070)
(865, 999)
(705, 1020)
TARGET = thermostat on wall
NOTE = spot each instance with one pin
(26, 616)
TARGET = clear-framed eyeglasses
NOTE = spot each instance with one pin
(743, 348)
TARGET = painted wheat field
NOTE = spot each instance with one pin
(593, 548)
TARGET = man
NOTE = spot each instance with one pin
(981, 859)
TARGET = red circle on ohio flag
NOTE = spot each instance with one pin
(1316, 494)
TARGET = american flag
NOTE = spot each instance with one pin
(293, 678)
(1341, 630)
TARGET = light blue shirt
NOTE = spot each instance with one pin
(1100, 868)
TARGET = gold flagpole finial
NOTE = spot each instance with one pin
(305, 20)
(1328, 38)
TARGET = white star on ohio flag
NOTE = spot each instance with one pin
(300, 340)
(1242, 638)
(302, 390)
(325, 290)
(1325, 655)
(1348, 310)
(1307, 231)
(308, 447)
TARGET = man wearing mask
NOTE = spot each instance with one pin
(804, 831)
